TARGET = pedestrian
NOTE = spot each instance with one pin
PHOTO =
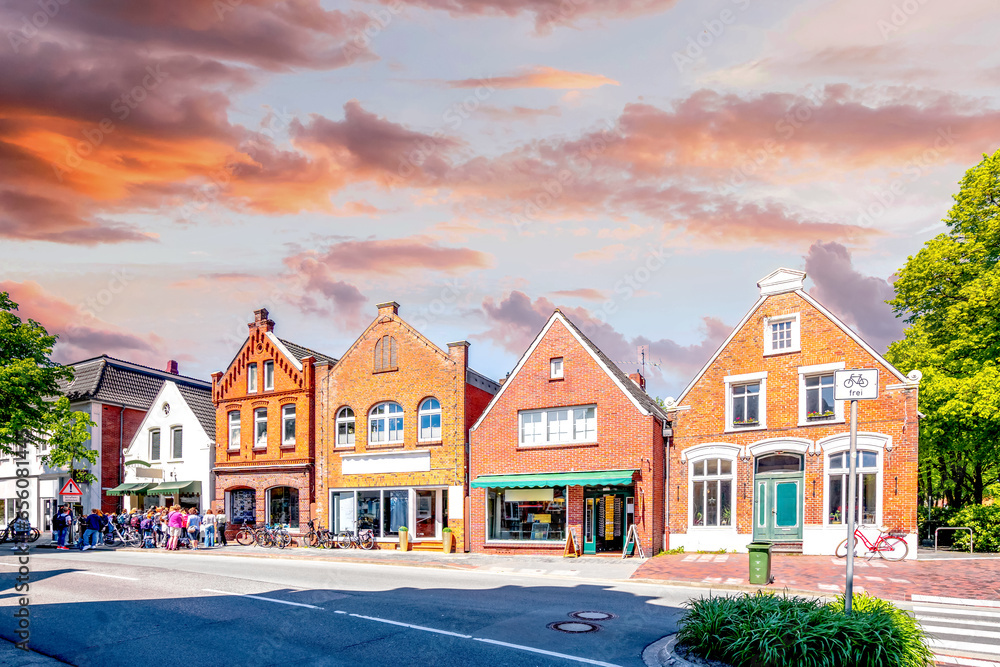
(92, 533)
(220, 526)
(148, 537)
(163, 530)
(60, 526)
(103, 520)
(81, 529)
(175, 524)
(209, 523)
(193, 526)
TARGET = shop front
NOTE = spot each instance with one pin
(422, 510)
(187, 494)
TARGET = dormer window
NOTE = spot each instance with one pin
(386, 354)
(781, 334)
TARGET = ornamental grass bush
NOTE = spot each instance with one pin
(768, 630)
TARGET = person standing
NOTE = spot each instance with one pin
(93, 531)
(220, 526)
(61, 523)
(175, 524)
(193, 526)
(209, 523)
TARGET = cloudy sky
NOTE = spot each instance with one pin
(166, 167)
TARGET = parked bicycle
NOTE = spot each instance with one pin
(247, 535)
(8, 535)
(319, 537)
(889, 547)
(273, 536)
(363, 538)
(124, 535)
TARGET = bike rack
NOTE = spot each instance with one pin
(971, 549)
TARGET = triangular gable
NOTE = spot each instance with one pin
(585, 343)
(167, 384)
(396, 318)
(815, 304)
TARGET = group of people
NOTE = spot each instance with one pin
(168, 527)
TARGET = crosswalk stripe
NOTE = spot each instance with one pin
(992, 649)
(961, 621)
(964, 662)
(958, 612)
(970, 632)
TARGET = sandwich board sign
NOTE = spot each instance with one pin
(71, 492)
(856, 384)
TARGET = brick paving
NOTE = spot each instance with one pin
(961, 578)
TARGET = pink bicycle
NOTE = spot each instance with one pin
(889, 547)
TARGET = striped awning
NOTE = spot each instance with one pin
(130, 489)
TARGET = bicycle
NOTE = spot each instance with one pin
(318, 537)
(855, 379)
(889, 547)
(273, 536)
(8, 535)
(246, 535)
(130, 538)
(363, 538)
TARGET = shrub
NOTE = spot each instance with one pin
(766, 630)
(984, 520)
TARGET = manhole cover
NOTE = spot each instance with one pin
(574, 627)
(592, 615)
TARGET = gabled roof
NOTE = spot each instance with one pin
(642, 401)
(769, 288)
(200, 402)
(295, 353)
(108, 380)
(303, 352)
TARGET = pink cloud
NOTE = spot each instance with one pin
(539, 77)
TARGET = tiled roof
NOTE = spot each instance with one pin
(200, 402)
(110, 380)
(303, 352)
(631, 387)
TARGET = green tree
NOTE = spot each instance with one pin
(949, 294)
(69, 434)
(29, 379)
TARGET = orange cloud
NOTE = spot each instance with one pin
(539, 77)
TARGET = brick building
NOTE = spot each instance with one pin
(569, 442)
(759, 447)
(393, 418)
(265, 430)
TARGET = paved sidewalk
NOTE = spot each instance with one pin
(958, 578)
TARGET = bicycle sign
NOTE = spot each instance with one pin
(856, 384)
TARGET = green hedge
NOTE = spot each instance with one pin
(766, 630)
(984, 520)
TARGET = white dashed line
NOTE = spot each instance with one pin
(109, 576)
(259, 597)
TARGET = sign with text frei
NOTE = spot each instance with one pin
(855, 384)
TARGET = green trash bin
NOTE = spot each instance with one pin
(760, 563)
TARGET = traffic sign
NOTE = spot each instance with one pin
(855, 384)
(70, 488)
(71, 498)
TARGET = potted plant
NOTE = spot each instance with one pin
(446, 540)
(404, 539)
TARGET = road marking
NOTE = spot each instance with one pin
(543, 652)
(412, 627)
(260, 597)
(109, 576)
(943, 619)
(966, 601)
(966, 662)
(957, 612)
(962, 646)
(985, 634)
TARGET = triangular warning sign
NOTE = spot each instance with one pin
(70, 488)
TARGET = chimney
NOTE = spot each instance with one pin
(459, 352)
(172, 367)
(638, 379)
(389, 308)
(261, 321)
(503, 379)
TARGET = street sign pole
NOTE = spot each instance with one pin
(851, 509)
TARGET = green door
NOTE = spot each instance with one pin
(589, 516)
(778, 500)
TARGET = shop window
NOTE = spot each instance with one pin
(712, 493)
(283, 506)
(342, 511)
(369, 514)
(559, 426)
(234, 430)
(242, 506)
(526, 514)
(385, 423)
(288, 425)
(345, 427)
(866, 496)
(430, 420)
(154, 444)
(397, 509)
(386, 353)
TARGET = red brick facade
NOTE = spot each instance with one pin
(627, 438)
(276, 463)
(118, 427)
(704, 429)
(392, 362)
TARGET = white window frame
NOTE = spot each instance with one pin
(711, 454)
(160, 436)
(252, 379)
(746, 378)
(545, 412)
(429, 412)
(342, 419)
(237, 431)
(812, 371)
(401, 435)
(269, 375)
(796, 342)
(285, 442)
(557, 368)
(827, 472)
(257, 420)
(174, 430)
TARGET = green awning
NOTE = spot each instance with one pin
(585, 478)
(130, 489)
(170, 488)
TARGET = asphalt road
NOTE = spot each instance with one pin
(127, 608)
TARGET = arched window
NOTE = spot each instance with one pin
(385, 423)
(430, 419)
(385, 354)
(283, 506)
(345, 427)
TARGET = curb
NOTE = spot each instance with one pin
(746, 588)
(661, 654)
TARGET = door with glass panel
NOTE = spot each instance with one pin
(428, 514)
(778, 498)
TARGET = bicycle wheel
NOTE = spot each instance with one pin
(893, 548)
(265, 539)
(367, 541)
(133, 539)
(245, 537)
(327, 541)
(286, 539)
(344, 540)
(34, 534)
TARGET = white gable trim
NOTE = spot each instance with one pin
(857, 339)
(725, 343)
(531, 348)
(170, 387)
(284, 350)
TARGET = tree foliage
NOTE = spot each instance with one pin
(949, 293)
(69, 435)
(29, 379)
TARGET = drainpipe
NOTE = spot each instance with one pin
(666, 493)
(121, 454)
